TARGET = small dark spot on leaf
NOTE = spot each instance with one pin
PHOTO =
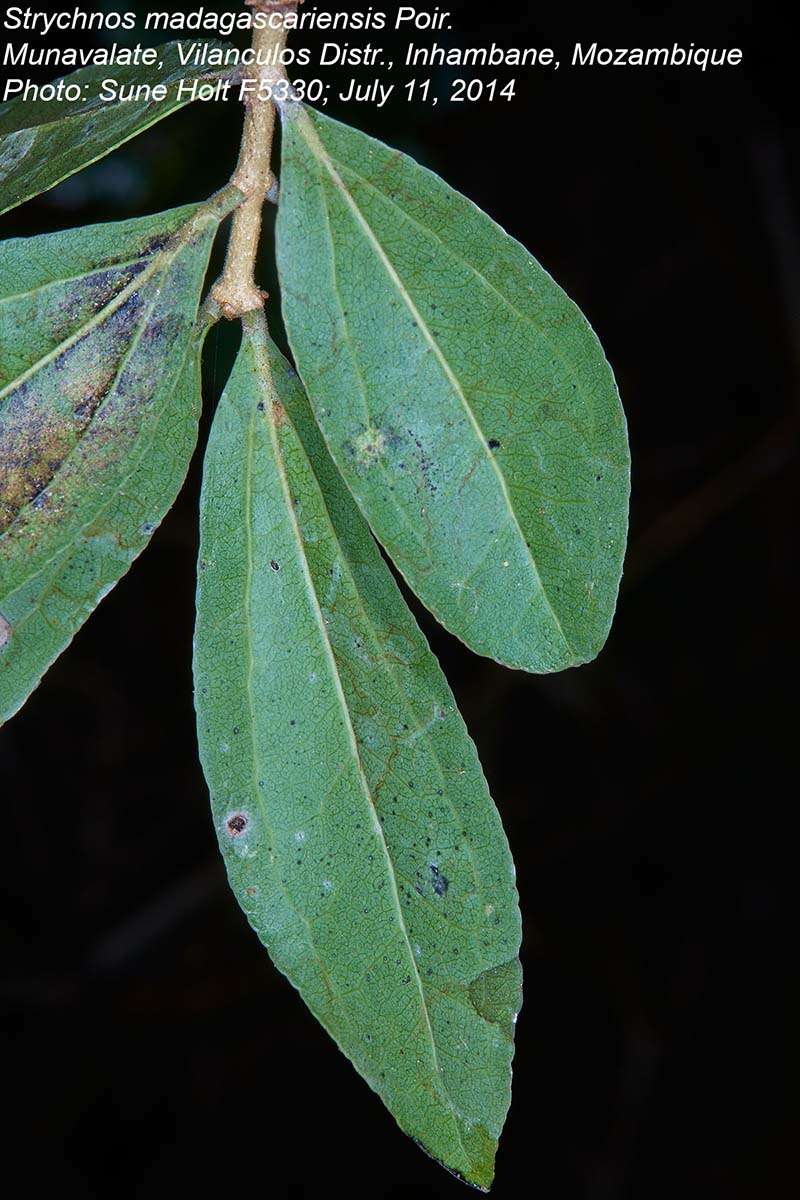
(275, 566)
(260, 406)
(440, 882)
(155, 244)
(494, 444)
(157, 329)
(236, 824)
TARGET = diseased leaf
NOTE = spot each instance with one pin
(99, 403)
(464, 397)
(44, 142)
(355, 822)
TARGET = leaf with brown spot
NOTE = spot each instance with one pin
(99, 403)
(357, 829)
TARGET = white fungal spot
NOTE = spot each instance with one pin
(5, 632)
(370, 446)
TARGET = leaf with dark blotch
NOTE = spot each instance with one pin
(355, 822)
(464, 397)
(99, 403)
(44, 142)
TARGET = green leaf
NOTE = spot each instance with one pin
(44, 142)
(99, 403)
(355, 822)
(464, 397)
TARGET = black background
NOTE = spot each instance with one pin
(150, 1049)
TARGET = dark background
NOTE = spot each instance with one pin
(150, 1049)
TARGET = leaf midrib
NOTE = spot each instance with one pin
(363, 783)
(193, 346)
(408, 708)
(136, 459)
(131, 347)
(161, 260)
(553, 344)
(397, 508)
(317, 149)
(67, 553)
(14, 297)
(247, 608)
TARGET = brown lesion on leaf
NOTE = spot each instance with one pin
(236, 824)
(31, 454)
(34, 447)
(47, 415)
(90, 295)
(155, 244)
(426, 464)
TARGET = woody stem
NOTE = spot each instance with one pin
(235, 291)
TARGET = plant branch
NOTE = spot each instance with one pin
(236, 291)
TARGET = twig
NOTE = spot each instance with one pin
(236, 291)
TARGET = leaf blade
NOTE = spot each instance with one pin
(99, 404)
(314, 613)
(43, 143)
(464, 398)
